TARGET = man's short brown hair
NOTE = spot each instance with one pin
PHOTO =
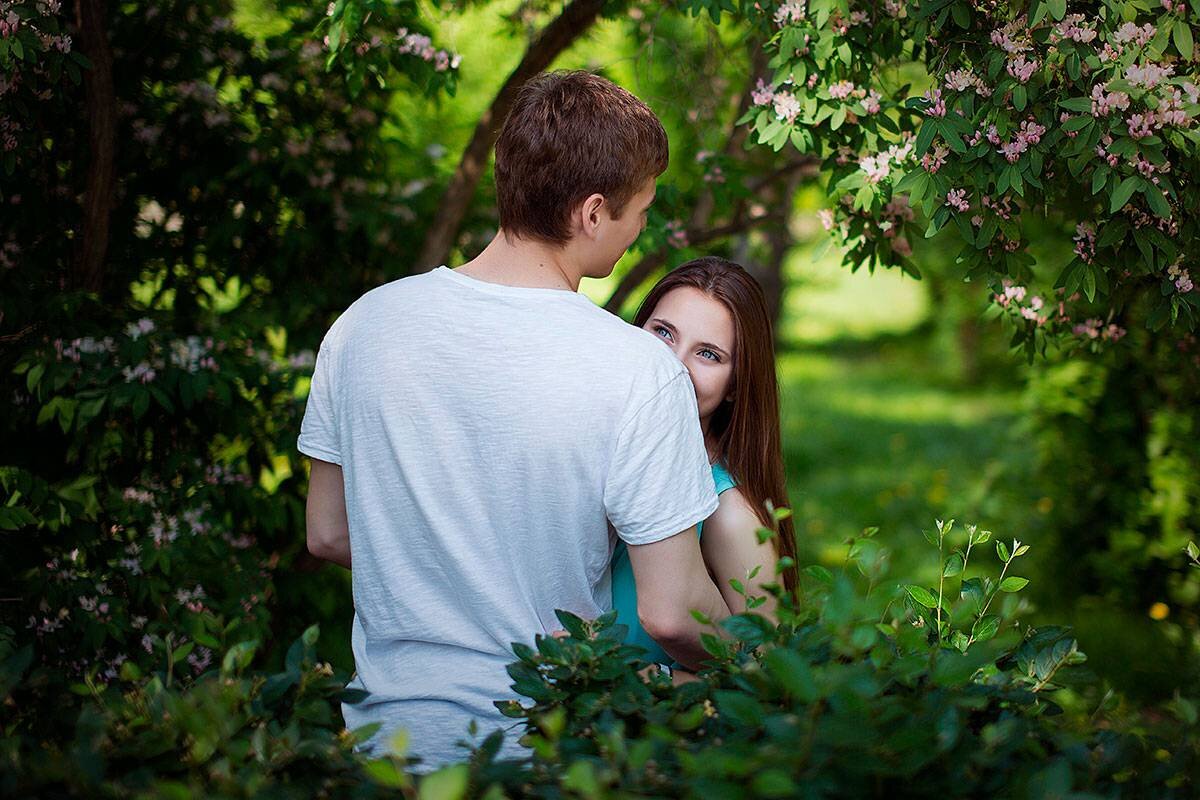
(570, 135)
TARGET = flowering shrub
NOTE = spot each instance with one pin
(1088, 116)
(147, 498)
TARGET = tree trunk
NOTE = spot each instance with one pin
(575, 19)
(87, 271)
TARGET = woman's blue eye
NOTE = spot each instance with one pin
(659, 329)
(715, 357)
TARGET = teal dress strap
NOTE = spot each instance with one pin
(625, 591)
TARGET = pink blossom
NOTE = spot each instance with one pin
(9, 24)
(826, 217)
(762, 95)
(790, 13)
(1132, 33)
(787, 107)
(876, 169)
(957, 199)
(1013, 38)
(1140, 125)
(937, 106)
(1022, 69)
(1072, 27)
(932, 161)
(1181, 278)
(676, 234)
(1085, 242)
(1148, 75)
(1104, 102)
(841, 90)
(871, 102)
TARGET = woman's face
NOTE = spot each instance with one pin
(700, 331)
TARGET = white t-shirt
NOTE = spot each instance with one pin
(486, 434)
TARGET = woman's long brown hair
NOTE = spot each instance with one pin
(746, 429)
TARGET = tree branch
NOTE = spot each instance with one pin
(643, 269)
(99, 197)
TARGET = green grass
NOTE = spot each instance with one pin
(875, 429)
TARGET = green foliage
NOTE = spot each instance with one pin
(844, 693)
(1011, 123)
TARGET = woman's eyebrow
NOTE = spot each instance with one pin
(673, 329)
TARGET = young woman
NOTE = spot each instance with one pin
(712, 314)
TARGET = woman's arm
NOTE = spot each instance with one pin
(731, 550)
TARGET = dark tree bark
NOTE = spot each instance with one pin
(573, 22)
(87, 270)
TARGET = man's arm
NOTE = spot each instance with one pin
(671, 580)
(325, 514)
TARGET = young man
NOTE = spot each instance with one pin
(472, 430)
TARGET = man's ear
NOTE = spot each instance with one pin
(589, 214)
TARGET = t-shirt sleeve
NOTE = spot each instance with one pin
(319, 430)
(659, 481)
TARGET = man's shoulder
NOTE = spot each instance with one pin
(639, 348)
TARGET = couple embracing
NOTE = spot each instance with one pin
(488, 445)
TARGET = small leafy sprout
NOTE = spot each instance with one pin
(937, 609)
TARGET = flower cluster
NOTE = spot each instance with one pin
(879, 166)
(762, 94)
(1180, 278)
(790, 13)
(1029, 133)
(676, 234)
(1013, 38)
(1022, 69)
(1074, 28)
(786, 106)
(960, 80)
(1130, 33)
(1096, 329)
(937, 105)
(421, 46)
(957, 199)
(1085, 242)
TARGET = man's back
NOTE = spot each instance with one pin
(485, 432)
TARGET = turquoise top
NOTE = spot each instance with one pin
(625, 593)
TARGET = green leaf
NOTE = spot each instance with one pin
(953, 566)
(921, 596)
(1182, 34)
(1013, 584)
(238, 657)
(573, 624)
(739, 708)
(1058, 8)
(820, 573)
(985, 627)
(448, 783)
(924, 137)
(1123, 192)
(34, 376)
(1156, 200)
(1002, 550)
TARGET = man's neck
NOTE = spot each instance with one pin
(523, 262)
